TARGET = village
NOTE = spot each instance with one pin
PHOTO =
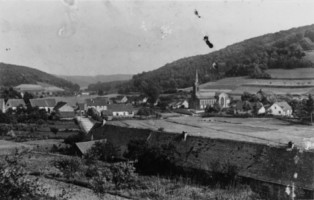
(198, 102)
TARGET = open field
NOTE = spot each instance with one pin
(274, 90)
(300, 73)
(257, 130)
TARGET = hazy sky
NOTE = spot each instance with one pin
(80, 37)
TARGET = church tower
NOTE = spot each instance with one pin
(196, 84)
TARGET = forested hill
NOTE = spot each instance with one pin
(13, 75)
(284, 49)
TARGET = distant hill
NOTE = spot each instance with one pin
(285, 49)
(84, 81)
(13, 75)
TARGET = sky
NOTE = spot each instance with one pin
(103, 37)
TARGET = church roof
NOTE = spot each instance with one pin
(205, 95)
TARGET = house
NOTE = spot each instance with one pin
(280, 109)
(118, 111)
(121, 99)
(99, 104)
(64, 110)
(223, 99)
(259, 108)
(47, 104)
(179, 104)
(14, 103)
(2, 105)
(81, 108)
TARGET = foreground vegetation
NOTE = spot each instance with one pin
(148, 173)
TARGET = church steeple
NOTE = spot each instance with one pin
(196, 83)
(196, 78)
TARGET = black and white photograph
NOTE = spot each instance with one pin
(156, 100)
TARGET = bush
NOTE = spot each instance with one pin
(54, 130)
(103, 151)
(152, 159)
(72, 139)
(122, 174)
(14, 183)
(116, 176)
(68, 166)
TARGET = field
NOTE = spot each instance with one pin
(301, 73)
(257, 130)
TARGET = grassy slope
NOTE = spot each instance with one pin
(13, 75)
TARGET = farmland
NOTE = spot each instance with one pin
(257, 130)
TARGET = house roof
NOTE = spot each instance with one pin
(284, 105)
(85, 146)
(118, 108)
(59, 105)
(206, 94)
(100, 101)
(43, 102)
(15, 102)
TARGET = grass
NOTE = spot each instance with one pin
(144, 187)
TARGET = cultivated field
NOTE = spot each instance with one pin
(257, 130)
(301, 73)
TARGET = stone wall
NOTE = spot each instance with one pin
(274, 171)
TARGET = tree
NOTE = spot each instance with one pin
(14, 182)
(54, 130)
(27, 96)
(103, 151)
(309, 106)
(68, 166)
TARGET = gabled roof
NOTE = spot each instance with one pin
(85, 146)
(43, 102)
(15, 102)
(100, 101)
(118, 108)
(59, 105)
(284, 105)
(205, 94)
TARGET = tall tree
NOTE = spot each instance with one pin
(309, 106)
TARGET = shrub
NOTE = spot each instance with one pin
(54, 130)
(123, 174)
(103, 151)
(68, 166)
(14, 183)
(152, 159)
(72, 139)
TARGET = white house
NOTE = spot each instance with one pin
(14, 103)
(179, 104)
(280, 109)
(47, 104)
(99, 104)
(119, 110)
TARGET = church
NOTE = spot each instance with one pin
(201, 98)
